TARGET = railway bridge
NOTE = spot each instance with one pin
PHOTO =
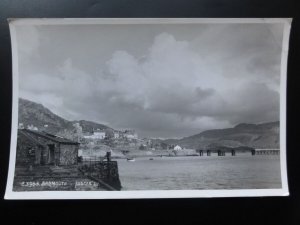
(267, 151)
(222, 151)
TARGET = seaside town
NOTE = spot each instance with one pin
(120, 143)
(73, 159)
(84, 155)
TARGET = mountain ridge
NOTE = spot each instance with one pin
(37, 115)
(263, 135)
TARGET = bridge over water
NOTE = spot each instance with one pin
(267, 151)
(222, 151)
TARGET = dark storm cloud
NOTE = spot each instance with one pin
(160, 81)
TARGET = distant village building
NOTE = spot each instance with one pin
(177, 148)
(117, 135)
(31, 127)
(148, 142)
(98, 134)
(142, 147)
(130, 134)
(41, 148)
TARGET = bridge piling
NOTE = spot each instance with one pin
(221, 153)
(267, 151)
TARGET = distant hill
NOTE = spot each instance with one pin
(89, 126)
(31, 113)
(265, 135)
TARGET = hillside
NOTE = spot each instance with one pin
(89, 126)
(265, 135)
(31, 113)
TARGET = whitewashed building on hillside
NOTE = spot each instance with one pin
(177, 147)
(100, 135)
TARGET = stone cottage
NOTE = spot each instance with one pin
(41, 148)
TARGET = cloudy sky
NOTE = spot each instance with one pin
(161, 80)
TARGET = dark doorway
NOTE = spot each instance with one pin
(42, 156)
(51, 158)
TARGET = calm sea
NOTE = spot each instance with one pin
(175, 173)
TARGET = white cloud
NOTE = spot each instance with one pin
(76, 83)
(176, 88)
(174, 80)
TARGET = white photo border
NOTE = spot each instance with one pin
(283, 191)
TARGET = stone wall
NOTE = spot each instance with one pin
(68, 154)
(103, 172)
(25, 151)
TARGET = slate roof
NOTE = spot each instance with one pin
(48, 136)
(30, 137)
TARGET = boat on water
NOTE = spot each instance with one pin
(130, 159)
(151, 159)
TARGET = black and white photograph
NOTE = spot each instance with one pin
(148, 108)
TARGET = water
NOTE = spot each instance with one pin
(179, 173)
